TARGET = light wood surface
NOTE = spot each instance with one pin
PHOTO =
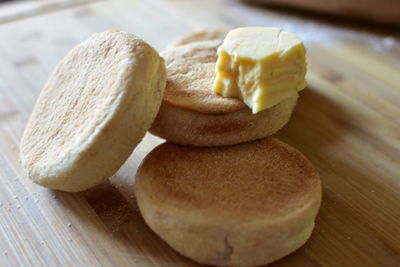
(22, 9)
(347, 123)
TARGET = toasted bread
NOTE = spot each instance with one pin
(243, 205)
(94, 109)
(192, 114)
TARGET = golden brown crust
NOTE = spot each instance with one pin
(192, 114)
(242, 205)
(191, 74)
(264, 178)
(86, 121)
(182, 126)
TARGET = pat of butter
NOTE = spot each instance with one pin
(260, 65)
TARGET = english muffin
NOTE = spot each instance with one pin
(192, 114)
(92, 112)
(243, 205)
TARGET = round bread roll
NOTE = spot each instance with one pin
(92, 112)
(206, 35)
(192, 114)
(242, 205)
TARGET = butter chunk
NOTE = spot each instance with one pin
(260, 65)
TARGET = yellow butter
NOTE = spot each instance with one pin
(260, 65)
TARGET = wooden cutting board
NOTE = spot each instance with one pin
(347, 123)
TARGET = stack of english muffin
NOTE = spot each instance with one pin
(220, 191)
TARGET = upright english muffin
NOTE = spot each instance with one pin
(94, 109)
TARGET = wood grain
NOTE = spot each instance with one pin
(347, 122)
(12, 11)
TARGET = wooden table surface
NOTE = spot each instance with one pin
(347, 123)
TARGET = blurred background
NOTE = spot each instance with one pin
(385, 12)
